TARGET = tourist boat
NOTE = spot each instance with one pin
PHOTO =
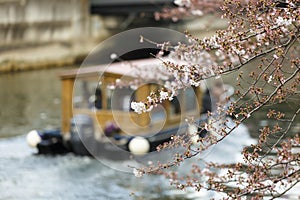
(97, 119)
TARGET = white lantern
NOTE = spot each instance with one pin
(33, 138)
(139, 146)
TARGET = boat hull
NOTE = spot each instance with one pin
(112, 148)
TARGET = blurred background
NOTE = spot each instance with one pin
(42, 33)
(38, 39)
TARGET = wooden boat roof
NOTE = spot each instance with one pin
(123, 68)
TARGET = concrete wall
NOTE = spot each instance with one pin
(24, 22)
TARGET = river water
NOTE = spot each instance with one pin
(31, 100)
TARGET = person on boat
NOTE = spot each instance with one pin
(176, 105)
(86, 94)
(206, 103)
(111, 129)
(98, 98)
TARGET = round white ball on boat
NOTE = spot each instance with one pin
(139, 146)
(33, 138)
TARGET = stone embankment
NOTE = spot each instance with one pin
(38, 34)
(43, 56)
(41, 33)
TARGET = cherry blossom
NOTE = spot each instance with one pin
(260, 49)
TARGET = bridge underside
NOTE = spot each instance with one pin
(125, 7)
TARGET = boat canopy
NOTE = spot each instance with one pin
(91, 91)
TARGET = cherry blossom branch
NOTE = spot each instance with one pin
(284, 133)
